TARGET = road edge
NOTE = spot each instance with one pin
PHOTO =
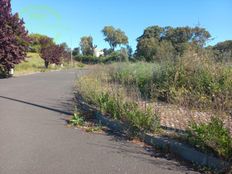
(180, 149)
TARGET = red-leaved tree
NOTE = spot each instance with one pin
(14, 40)
(52, 54)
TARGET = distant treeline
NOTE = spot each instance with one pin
(155, 44)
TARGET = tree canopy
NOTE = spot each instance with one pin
(114, 36)
(76, 51)
(157, 42)
(35, 45)
(52, 54)
(86, 45)
(14, 40)
(223, 51)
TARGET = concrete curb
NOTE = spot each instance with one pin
(182, 150)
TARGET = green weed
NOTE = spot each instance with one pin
(211, 136)
(77, 120)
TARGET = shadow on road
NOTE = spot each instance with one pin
(37, 105)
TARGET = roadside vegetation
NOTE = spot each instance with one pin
(170, 66)
(113, 101)
(211, 137)
(193, 81)
(33, 63)
(126, 91)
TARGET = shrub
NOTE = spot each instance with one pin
(212, 136)
(194, 81)
(113, 57)
(88, 59)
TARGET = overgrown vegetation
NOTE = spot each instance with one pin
(210, 137)
(181, 71)
(134, 74)
(193, 80)
(115, 103)
(109, 89)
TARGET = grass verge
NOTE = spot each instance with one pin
(34, 63)
(117, 105)
(109, 89)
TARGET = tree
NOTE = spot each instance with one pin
(52, 54)
(114, 37)
(223, 51)
(151, 50)
(76, 52)
(14, 40)
(124, 55)
(200, 36)
(152, 32)
(66, 52)
(107, 52)
(45, 42)
(129, 51)
(158, 43)
(147, 48)
(35, 45)
(86, 45)
(225, 46)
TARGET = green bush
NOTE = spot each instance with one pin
(113, 57)
(88, 59)
(213, 137)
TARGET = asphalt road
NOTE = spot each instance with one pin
(35, 140)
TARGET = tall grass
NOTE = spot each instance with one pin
(116, 103)
(193, 81)
(34, 63)
(133, 74)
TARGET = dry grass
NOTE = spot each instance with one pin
(34, 63)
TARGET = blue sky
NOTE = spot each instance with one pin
(67, 21)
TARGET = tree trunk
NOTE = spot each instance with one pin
(46, 63)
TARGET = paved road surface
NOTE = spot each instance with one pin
(34, 139)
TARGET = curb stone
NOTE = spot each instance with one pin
(180, 149)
